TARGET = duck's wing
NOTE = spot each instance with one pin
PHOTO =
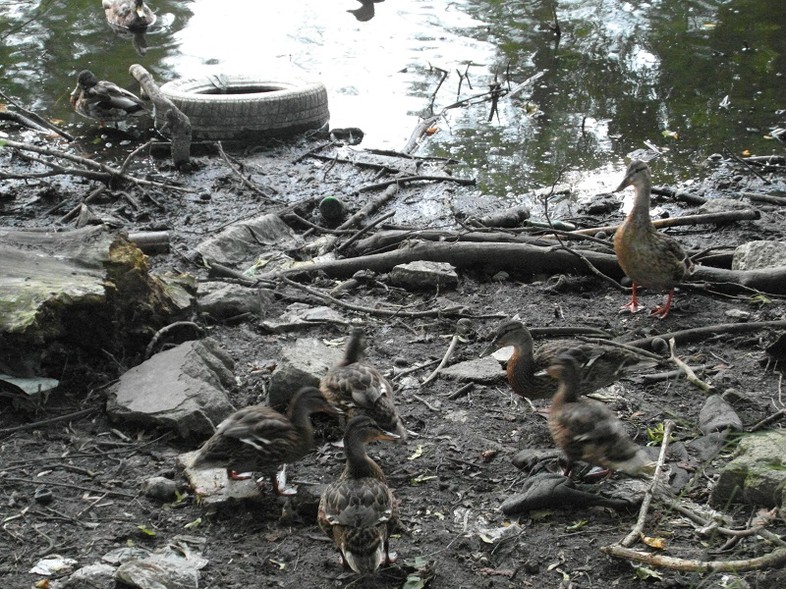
(110, 95)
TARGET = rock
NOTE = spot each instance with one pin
(299, 315)
(757, 475)
(222, 299)
(213, 488)
(183, 389)
(75, 290)
(160, 488)
(424, 275)
(249, 240)
(756, 255)
(301, 364)
(717, 415)
(737, 314)
(483, 370)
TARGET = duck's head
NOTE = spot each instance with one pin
(86, 79)
(310, 400)
(564, 367)
(363, 429)
(637, 172)
(139, 8)
(509, 333)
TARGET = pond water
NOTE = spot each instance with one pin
(691, 77)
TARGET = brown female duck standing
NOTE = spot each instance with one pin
(358, 511)
(601, 365)
(649, 258)
(585, 429)
(357, 387)
(260, 439)
(133, 15)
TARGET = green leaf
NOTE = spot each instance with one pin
(145, 530)
(645, 573)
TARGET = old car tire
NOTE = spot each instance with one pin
(228, 106)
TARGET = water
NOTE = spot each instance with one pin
(691, 77)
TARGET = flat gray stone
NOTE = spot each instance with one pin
(423, 275)
(717, 415)
(483, 370)
(183, 389)
(757, 475)
(302, 363)
(249, 239)
(213, 487)
(223, 299)
(756, 255)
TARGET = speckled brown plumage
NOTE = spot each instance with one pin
(358, 388)
(358, 511)
(260, 439)
(133, 15)
(601, 365)
(104, 101)
(649, 258)
(585, 429)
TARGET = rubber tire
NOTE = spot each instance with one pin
(240, 107)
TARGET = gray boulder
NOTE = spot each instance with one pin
(183, 389)
(301, 364)
(756, 255)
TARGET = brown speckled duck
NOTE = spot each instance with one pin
(650, 259)
(601, 365)
(356, 387)
(585, 429)
(104, 101)
(358, 511)
(260, 439)
(133, 15)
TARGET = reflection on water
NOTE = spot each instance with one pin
(688, 76)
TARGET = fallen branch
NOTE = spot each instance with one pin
(775, 559)
(443, 312)
(700, 333)
(638, 529)
(703, 219)
(169, 119)
(399, 180)
(36, 119)
(689, 374)
(99, 171)
(246, 182)
(462, 328)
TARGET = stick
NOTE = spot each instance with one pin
(637, 530)
(700, 333)
(703, 219)
(689, 374)
(169, 119)
(236, 172)
(49, 421)
(775, 559)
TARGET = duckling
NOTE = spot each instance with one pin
(585, 429)
(357, 387)
(649, 258)
(358, 511)
(260, 439)
(133, 15)
(601, 365)
(104, 101)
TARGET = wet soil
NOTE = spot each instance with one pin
(454, 472)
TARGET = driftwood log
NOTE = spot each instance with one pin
(523, 258)
(169, 119)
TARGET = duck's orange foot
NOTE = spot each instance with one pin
(633, 307)
(660, 311)
(391, 557)
(238, 476)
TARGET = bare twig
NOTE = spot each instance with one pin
(689, 374)
(246, 182)
(637, 530)
(776, 558)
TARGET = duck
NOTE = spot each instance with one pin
(356, 387)
(585, 429)
(601, 364)
(133, 15)
(104, 101)
(366, 11)
(358, 511)
(258, 438)
(649, 258)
